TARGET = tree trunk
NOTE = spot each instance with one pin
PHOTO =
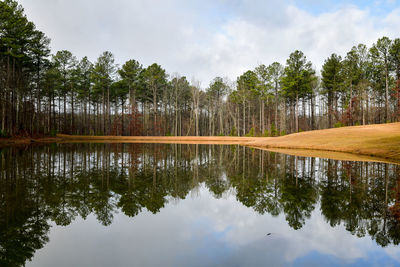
(65, 113)
(72, 111)
(276, 108)
(108, 111)
(122, 118)
(221, 125)
(155, 110)
(244, 118)
(312, 112)
(351, 104)
(104, 113)
(296, 112)
(386, 92)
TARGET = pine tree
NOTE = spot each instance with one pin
(296, 81)
(332, 81)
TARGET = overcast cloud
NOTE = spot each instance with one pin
(209, 38)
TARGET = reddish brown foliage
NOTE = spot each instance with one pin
(396, 96)
(116, 127)
(348, 118)
(135, 126)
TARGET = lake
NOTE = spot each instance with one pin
(193, 205)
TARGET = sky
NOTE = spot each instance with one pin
(205, 39)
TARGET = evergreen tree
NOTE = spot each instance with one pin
(131, 74)
(332, 81)
(380, 54)
(156, 80)
(102, 77)
(296, 81)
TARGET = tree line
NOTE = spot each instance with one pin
(44, 94)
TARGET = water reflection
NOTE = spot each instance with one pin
(59, 184)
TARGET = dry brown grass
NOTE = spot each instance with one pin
(379, 140)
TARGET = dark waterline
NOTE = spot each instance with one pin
(193, 205)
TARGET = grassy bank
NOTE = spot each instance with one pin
(380, 142)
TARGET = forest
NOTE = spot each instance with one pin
(45, 94)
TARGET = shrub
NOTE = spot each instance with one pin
(338, 124)
(221, 134)
(283, 132)
(251, 133)
(53, 133)
(233, 132)
(266, 133)
(274, 131)
(3, 134)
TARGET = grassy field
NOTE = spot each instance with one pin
(380, 140)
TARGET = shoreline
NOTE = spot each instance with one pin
(379, 142)
(4, 142)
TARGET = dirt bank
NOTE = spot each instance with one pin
(214, 140)
(27, 141)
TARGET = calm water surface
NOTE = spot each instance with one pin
(193, 205)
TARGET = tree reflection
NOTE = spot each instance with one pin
(58, 183)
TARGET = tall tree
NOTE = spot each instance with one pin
(395, 60)
(131, 74)
(364, 80)
(102, 76)
(216, 91)
(65, 63)
(156, 80)
(119, 93)
(85, 68)
(40, 51)
(275, 71)
(296, 81)
(247, 85)
(181, 94)
(351, 74)
(263, 90)
(332, 81)
(395, 57)
(380, 53)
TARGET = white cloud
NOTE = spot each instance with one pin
(207, 39)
